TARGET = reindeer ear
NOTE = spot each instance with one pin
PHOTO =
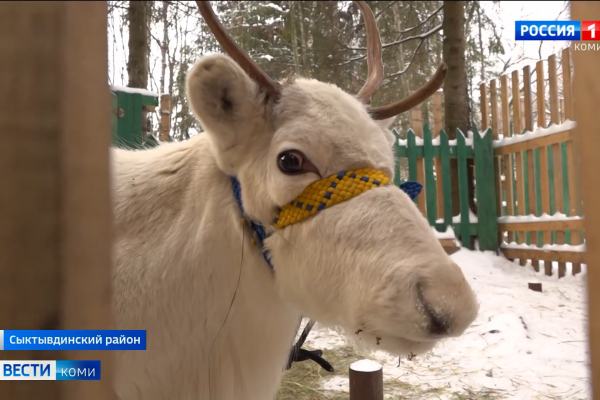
(224, 99)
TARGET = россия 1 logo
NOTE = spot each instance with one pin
(547, 30)
(557, 30)
(590, 30)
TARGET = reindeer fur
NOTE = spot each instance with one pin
(219, 322)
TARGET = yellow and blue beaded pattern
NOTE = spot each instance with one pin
(330, 191)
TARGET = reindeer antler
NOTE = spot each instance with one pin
(374, 61)
(230, 47)
(374, 65)
(375, 74)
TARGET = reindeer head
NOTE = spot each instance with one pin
(371, 264)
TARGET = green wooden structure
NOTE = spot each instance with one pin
(126, 117)
(482, 151)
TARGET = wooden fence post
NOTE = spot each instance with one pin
(586, 93)
(366, 380)
(165, 117)
(55, 235)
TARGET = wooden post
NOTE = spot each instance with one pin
(417, 127)
(165, 117)
(55, 235)
(366, 380)
(586, 93)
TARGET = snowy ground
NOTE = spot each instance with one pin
(523, 345)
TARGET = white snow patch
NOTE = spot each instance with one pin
(126, 89)
(365, 366)
(532, 218)
(472, 218)
(523, 344)
(267, 57)
(456, 219)
(539, 132)
(551, 247)
(436, 141)
(449, 234)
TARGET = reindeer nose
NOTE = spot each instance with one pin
(438, 324)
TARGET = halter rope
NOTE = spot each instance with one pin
(316, 197)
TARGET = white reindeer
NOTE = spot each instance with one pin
(219, 320)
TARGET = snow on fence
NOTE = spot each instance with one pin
(527, 190)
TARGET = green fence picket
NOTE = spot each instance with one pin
(430, 188)
(538, 193)
(463, 189)
(487, 223)
(397, 155)
(446, 183)
(526, 190)
(551, 184)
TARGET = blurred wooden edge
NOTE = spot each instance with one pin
(55, 211)
(586, 92)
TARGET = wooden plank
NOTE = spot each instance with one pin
(494, 109)
(540, 254)
(483, 104)
(541, 114)
(541, 225)
(520, 181)
(538, 142)
(559, 204)
(165, 118)
(508, 165)
(528, 125)
(586, 92)
(572, 153)
(449, 246)
(497, 160)
(55, 235)
(438, 125)
(417, 126)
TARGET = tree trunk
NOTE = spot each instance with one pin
(139, 47)
(137, 64)
(294, 36)
(455, 89)
(164, 46)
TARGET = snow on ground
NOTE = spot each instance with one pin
(523, 345)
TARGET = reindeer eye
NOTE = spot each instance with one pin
(290, 162)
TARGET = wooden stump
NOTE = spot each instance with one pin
(366, 380)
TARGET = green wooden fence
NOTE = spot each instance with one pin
(445, 149)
